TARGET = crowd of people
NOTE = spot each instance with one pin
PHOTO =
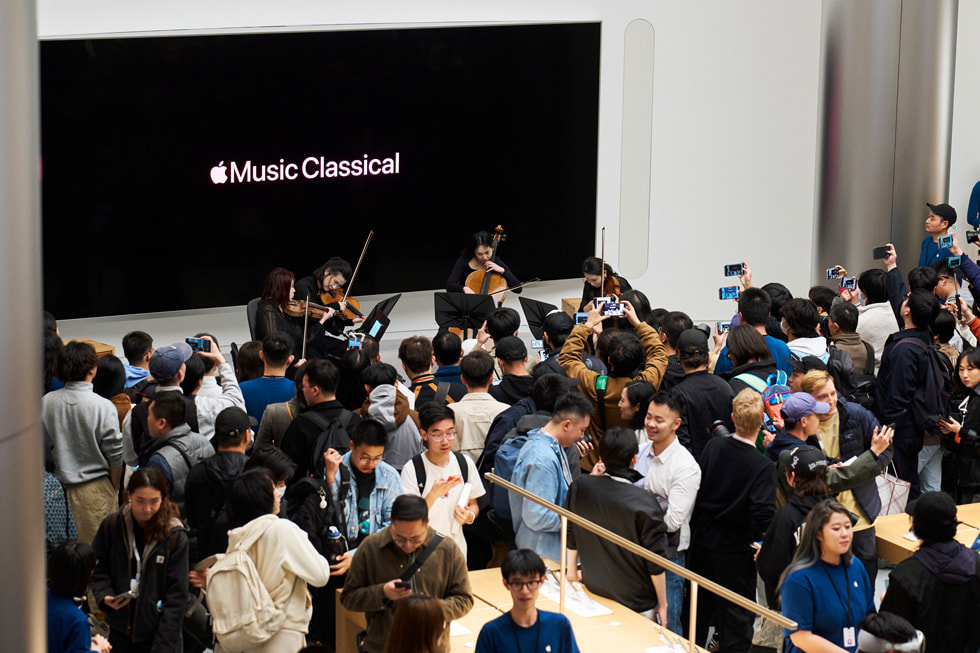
(193, 503)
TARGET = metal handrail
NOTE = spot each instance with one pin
(636, 549)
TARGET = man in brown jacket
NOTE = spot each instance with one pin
(373, 582)
(627, 352)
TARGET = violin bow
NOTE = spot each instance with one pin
(520, 285)
(602, 265)
(306, 321)
(358, 266)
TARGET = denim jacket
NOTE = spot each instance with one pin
(387, 486)
(543, 470)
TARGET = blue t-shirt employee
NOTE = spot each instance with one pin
(940, 220)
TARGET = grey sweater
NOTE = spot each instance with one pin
(84, 432)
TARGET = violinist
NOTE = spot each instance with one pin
(475, 257)
(596, 286)
(326, 286)
(271, 316)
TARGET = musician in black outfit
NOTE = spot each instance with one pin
(475, 257)
(592, 271)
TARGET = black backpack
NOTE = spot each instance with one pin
(420, 475)
(933, 395)
(310, 505)
(333, 435)
(853, 386)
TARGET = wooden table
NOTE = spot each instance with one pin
(891, 531)
(101, 348)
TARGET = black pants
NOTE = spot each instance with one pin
(906, 461)
(865, 548)
(736, 571)
(323, 624)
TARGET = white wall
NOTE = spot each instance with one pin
(734, 133)
(965, 152)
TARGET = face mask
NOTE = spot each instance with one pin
(280, 490)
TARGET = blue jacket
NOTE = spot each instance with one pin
(448, 373)
(541, 469)
(387, 486)
(856, 427)
(899, 378)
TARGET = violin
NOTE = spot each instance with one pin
(488, 282)
(302, 308)
(333, 298)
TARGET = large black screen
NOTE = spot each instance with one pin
(177, 171)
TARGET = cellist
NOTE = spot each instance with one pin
(475, 257)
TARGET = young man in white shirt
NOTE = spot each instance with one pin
(444, 480)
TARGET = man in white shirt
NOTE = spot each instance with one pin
(476, 410)
(876, 318)
(673, 476)
(444, 479)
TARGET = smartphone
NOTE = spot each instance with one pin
(880, 252)
(833, 273)
(599, 301)
(954, 262)
(973, 237)
(403, 584)
(934, 418)
(723, 327)
(353, 342)
(537, 344)
(946, 241)
(199, 344)
(849, 283)
(614, 309)
(729, 292)
(127, 595)
(734, 270)
(581, 318)
(542, 356)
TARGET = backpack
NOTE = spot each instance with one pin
(503, 466)
(935, 389)
(774, 391)
(310, 505)
(852, 386)
(242, 611)
(420, 475)
(333, 435)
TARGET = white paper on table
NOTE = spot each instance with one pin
(577, 602)
(911, 537)
(456, 628)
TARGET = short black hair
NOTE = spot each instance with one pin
(416, 353)
(574, 406)
(169, 406)
(76, 360)
(408, 507)
(874, 284)
(447, 348)
(377, 374)
(110, 377)
(194, 370)
(639, 301)
(277, 347)
(892, 628)
(251, 495)
(369, 432)
(801, 316)
(778, 295)
(923, 277)
(674, 324)
(625, 354)
(476, 367)
(673, 401)
(135, 345)
(617, 448)
(432, 413)
(745, 344)
(70, 569)
(923, 307)
(845, 316)
(371, 347)
(944, 326)
(754, 305)
(557, 325)
(655, 317)
(822, 297)
(336, 265)
(548, 389)
(523, 562)
(502, 322)
(274, 461)
(323, 374)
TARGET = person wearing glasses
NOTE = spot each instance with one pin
(524, 627)
(441, 476)
(381, 573)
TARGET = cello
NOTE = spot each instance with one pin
(489, 282)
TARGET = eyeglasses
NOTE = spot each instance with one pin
(369, 459)
(415, 541)
(439, 437)
(520, 585)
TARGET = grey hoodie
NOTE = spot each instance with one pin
(390, 407)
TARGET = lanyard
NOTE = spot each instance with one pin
(537, 636)
(133, 548)
(847, 587)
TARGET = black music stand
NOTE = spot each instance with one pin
(460, 310)
(534, 313)
(377, 321)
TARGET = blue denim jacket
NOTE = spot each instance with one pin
(387, 486)
(543, 470)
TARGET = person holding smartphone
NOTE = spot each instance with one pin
(940, 220)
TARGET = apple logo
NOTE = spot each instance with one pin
(219, 173)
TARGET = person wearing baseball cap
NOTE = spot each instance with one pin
(938, 588)
(706, 398)
(516, 381)
(940, 220)
(800, 423)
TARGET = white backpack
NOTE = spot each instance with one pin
(243, 614)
